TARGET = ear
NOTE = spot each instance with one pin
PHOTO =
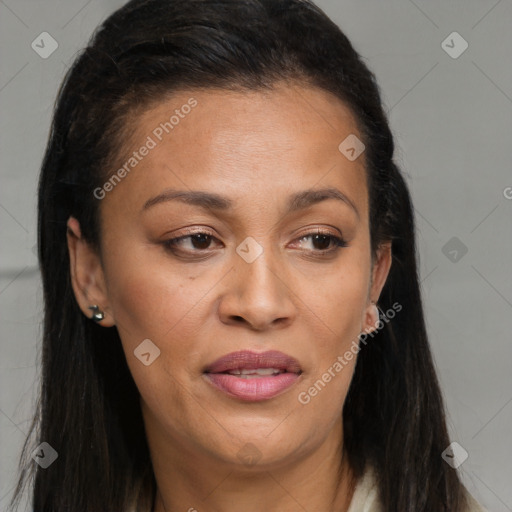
(87, 276)
(380, 272)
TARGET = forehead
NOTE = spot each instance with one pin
(244, 144)
(279, 117)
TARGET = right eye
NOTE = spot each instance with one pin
(198, 242)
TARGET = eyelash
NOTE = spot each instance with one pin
(338, 242)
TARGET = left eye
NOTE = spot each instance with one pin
(325, 240)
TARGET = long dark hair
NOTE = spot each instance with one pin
(88, 408)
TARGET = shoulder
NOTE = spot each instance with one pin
(366, 496)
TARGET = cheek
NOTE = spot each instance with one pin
(151, 302)
(321, 397)
(339, 301)
(147, 298)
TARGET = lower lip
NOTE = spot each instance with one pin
(254, 389)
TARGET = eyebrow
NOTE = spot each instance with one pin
(211, 201)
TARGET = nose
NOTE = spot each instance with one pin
(257, 294)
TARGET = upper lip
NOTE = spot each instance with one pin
(248, 360)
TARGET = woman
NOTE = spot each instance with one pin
(233, 316)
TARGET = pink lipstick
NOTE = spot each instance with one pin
(253, 376)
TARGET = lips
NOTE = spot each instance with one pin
(253, 376)
(247, 360)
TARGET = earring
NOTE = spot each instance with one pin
(377, 314)
(377, 311)
(97, 314)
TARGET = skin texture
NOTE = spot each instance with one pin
(204, 301)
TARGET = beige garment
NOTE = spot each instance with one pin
(366, 498)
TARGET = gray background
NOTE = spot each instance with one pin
(453, 125)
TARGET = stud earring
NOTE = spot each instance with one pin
(377, 315)
(97, 314)
(377, 311)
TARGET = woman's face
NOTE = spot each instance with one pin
(259, 279)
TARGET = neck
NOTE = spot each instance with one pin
(321, 480)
